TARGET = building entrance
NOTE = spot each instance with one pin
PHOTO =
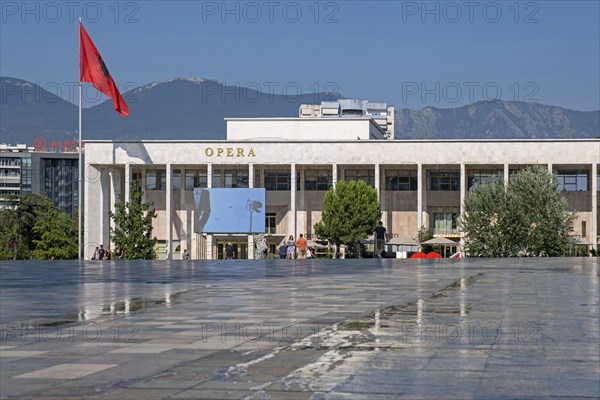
(240, 248)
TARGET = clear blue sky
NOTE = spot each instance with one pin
(412, 54)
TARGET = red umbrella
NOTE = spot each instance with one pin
(433, 254)
(418, 254)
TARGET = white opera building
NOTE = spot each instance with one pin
(295, 160)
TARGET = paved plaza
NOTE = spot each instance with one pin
(305, 329)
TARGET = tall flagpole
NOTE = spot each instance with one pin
(79, 188)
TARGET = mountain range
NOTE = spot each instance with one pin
(195, 108)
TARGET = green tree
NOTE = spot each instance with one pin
(57, 236)
(423, 234)
(350, 212)
(133, 225)
(32, 227)
(527, 218)
(25, 209)
(8, 233)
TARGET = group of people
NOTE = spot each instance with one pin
(300, 247)
(100, 253)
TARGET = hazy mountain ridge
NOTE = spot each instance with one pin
(195, 108)
(28, 111)
(177, 108)
(497, 120)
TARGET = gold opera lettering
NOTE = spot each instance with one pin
(228, 152)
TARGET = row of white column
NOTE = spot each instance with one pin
(114, 179)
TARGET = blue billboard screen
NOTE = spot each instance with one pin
(229, 210)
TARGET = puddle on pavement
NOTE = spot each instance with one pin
(139, 303)
(391, 317)
(16, 329)
(379, 329)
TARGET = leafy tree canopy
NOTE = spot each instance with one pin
(527, 218)
(57, 232)
(34, 228)
(133, 225)
(350, 212)
(423, 234)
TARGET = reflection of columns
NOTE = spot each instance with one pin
(420, 196)
(594, 224)
(127, 182)
(506, 175)
(463, 188)
(251, 236)
(169, 211)
(209, 238)
(377, 183)
(292, 218)
(334, 174)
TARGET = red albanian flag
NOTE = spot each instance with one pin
(92, 69)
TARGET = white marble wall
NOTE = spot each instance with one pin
(110, 162)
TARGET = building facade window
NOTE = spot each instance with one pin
(400, 179)
(217, 181)
(10, 172)
(443, 181)
(176, 181)
(270, 223)
(235, 178)
(26, 175)
(572, 181)
(480, 177)
(61, 184)
(444, 223)
(136, 176)
(10, 162)
(318, 179)
(195, 178)
(367, 175)
(156, 179)
(277, 180)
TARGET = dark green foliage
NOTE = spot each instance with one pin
(58, 236)
(529, 218)
(350, 212)
(8, 233)
(133, 226)
(33, 228)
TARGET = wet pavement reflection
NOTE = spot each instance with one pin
(349, 329)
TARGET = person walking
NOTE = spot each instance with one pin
(380, 235)
(291, 248)
(230, 251)
(95, 256)
(302, 246)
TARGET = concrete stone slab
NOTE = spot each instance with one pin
(66, 371)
